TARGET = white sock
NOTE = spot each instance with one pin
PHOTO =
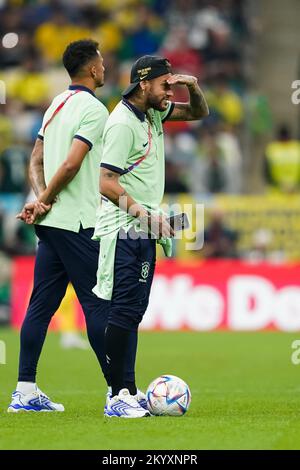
(109, 389)
(26, 387)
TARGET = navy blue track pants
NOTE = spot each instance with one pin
(134, 267)
(62, 257)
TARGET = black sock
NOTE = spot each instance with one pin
(131, 387)
(116, 343)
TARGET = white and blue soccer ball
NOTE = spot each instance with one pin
(168, 395)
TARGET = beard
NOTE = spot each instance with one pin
(157, 104)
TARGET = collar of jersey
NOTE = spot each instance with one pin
(83, 88)
(139, 114)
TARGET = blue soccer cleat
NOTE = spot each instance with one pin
(140, 398)
(124, 405)
(35, 401)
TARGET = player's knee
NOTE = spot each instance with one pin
(128, 318)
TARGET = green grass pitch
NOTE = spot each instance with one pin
(245, 395)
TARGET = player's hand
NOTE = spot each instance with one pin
(159, 226)
(40, 209)
(25, 212)
(178, 79)
(32, 211)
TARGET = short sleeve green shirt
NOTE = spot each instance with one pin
(129, 135)
(83, 117)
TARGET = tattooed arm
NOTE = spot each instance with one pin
(37, 180)
(64, 174)
(112, 189)
(196, 108)
(36, 168)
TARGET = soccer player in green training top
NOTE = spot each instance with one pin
(64, 169)
(132, 187)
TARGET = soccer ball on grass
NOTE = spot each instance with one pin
(168, 395)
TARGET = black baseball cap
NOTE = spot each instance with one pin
(147, 68)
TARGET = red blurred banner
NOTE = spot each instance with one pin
(201, 296)
(22, 282)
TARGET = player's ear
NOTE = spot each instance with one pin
(93, 71)
(145, 85)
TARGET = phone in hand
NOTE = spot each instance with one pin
(179, 222)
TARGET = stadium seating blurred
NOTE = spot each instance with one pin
(208, 162)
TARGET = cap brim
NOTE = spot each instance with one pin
(129, 89)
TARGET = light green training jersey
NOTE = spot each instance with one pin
(130, 135)
(83, 117)
(133, 146)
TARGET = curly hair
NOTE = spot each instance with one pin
(78, 54)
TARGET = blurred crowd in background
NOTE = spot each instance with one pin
(211, 39)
